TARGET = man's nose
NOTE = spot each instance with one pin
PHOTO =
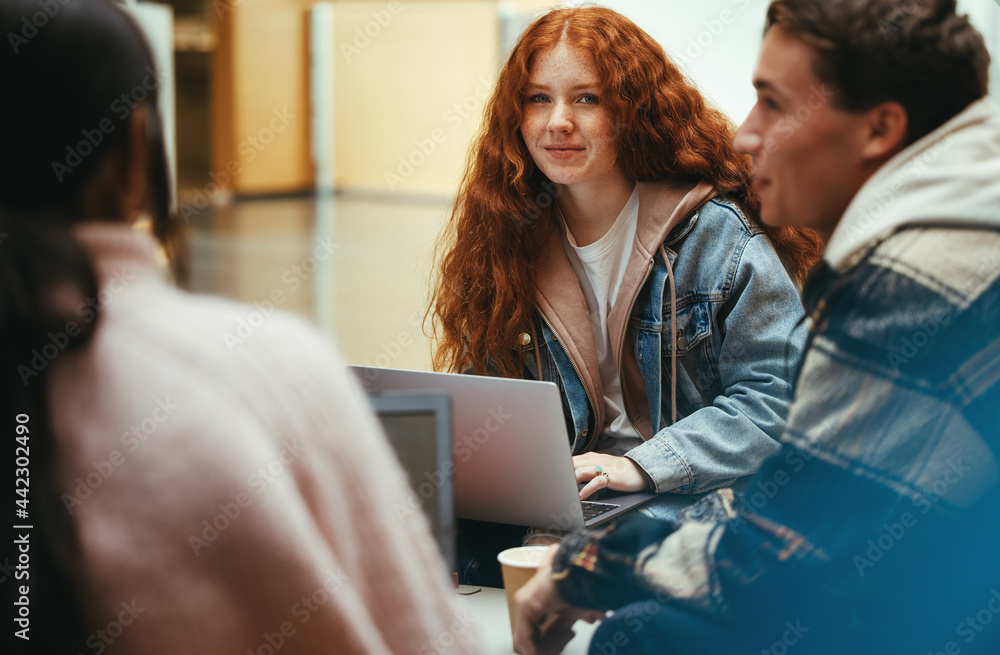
(748, 141)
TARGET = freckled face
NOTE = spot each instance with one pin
(568, 132)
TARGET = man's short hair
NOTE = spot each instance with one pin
(918, 53)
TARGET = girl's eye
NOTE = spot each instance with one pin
(538, 97)
(588, 99)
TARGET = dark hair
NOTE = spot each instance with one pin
(918, 53)
(72, 74)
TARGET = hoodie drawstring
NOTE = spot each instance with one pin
(673, 340)
(673, 337)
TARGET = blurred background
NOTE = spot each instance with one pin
(318, 146)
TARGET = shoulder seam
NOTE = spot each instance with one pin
(728, 203)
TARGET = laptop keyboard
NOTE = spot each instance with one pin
(593, 510)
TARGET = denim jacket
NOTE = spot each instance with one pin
(738, 331)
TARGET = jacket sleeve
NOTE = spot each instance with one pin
(800, 526)
(762, 339)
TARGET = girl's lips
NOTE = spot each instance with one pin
(563, 153)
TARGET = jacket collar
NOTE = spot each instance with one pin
(947, 178)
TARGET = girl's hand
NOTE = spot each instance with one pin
(616, 473)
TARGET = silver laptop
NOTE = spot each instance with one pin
(511, 450)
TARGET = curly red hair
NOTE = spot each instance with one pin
(483, 295)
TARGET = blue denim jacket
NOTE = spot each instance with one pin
(739, 331)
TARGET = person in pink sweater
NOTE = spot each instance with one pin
(189, 493)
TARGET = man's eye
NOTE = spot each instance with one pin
(770, 104)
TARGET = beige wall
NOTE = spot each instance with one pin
(260, 95)
(410, 83)
(409, 93)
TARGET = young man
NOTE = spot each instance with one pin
(875, 530)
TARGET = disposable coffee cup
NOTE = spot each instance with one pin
(517, 566)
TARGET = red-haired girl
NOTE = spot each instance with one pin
(606, 238)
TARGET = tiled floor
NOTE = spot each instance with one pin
(357, 266)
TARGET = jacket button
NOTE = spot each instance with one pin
(525, 338)
(682, 343)
(584, 433)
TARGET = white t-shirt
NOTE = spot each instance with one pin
(600, 268)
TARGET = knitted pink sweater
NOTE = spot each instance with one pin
(233, 497)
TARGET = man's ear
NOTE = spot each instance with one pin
(886, 128)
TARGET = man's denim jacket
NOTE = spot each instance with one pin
(739, 333)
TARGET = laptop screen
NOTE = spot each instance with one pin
(418, 426)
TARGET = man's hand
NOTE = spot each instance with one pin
(622, 474)
(542, 618)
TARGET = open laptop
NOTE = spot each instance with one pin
(511, 450)
(418, 426)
